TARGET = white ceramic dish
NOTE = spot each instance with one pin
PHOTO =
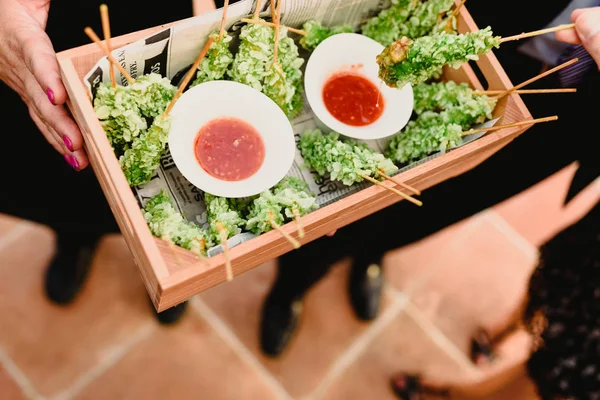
(358, 54)
(218, 99)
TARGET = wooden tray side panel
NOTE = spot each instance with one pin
(114, 184)
(173, 275)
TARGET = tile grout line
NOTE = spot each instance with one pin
(440, 339)
(13, 234)
(225, 332)
(358, 347)
(511, 234)
(24, 384)
(115, 354)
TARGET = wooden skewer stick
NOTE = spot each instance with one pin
(92, 35)
(396, 191)
(532, 91)
(537, 33)
(277, 28)
(298, 219)
(272, 25)
(283, 233)
(257, 9)
(106, 32)
(223, 19)
(400, 183)
(537, 78)
(189, 76)
(223, 236)
(202, 243)
(497, 128)
(273, 10)
(457, 9)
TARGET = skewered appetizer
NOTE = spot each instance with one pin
(456, 103)
(288, 198)
(317, 33)
(165, 222)
(389, 25)
(221, 212)
(415, 61)
(345, 161)
(123, 111)
(422, 138)
(253, 66)
(217, 60)
(425, 17)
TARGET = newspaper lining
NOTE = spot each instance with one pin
(171, 53)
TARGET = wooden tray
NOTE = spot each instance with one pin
(172, 275)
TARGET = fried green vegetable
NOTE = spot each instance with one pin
(295, 197)
(166, 223)
(457, 103)
(264, 210)
(317, 33)
(219, 210)
(123, 111)
(141, 160)
(414, 61)
(389, 25)
(217, 60)
(425, 17)
(422, 138)
(253, 66)
(344, 160)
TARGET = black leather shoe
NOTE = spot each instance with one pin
(481, 347)
(69, 268)
(280, 320)
(172, 315)
(406, 387)
(366, 284)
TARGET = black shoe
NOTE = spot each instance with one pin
(406, 387)
(172, 315)
(280, 320)
(69, 268)
(481, 347)
(366, 284)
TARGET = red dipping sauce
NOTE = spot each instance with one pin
(353, 99)
(229, 149)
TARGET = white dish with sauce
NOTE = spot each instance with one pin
(353, 54)
(200, 110)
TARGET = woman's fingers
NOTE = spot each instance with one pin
(40, 59)
(55, 116)
(587, 24)
(50, 137)
(568, 36)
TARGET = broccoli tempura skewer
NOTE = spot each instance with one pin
(266, 214)
(315, 33)
(346, 161)
(164, 221)
(415, 61)
(425, 17)
(297, 200)
(219, 57)
(283, 233)
(388, 26)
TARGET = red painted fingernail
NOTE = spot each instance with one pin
(69, 159)
(50, 95)
(75, 163)
(68, 143)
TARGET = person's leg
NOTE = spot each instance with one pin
(365, 284)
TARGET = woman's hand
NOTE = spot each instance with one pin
(28, 65)
(586, 32)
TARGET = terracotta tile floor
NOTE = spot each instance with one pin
(439, 292)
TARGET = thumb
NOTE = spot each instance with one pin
(587, 24)
(40, 58)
